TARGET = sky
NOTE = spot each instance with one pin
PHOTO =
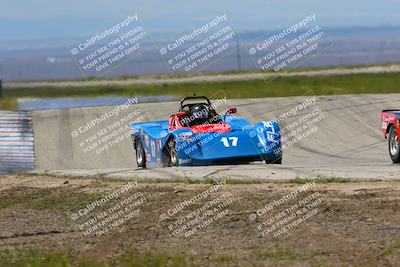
(28, 19)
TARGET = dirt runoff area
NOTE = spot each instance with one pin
(53, 221)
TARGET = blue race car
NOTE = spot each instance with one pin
(197, 135)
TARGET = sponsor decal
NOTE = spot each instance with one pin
(153, 148)
(159, 144)
(159, 152)
(187, 136)
(148, 155)
(183, 161)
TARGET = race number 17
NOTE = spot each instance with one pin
(230, 141)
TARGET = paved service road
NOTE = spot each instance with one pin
(345, 142)
(204, 78)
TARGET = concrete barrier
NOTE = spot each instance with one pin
(16, 142)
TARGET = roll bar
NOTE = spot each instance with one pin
(193, 98)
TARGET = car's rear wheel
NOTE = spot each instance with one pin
(140, 154)
(394, 147)
(173, 154)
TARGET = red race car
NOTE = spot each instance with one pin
(391, 131)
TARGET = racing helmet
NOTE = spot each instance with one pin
(199, 113)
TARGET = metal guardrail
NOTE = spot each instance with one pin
(16, 142)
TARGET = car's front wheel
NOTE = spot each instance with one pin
(394, 147)
(173, 154)
(140, 154)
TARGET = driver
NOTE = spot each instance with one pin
(199, 114)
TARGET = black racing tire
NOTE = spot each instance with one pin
(173, 155)
(276, 161)
(394, 146)
(140, 154)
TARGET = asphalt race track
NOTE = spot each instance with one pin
(346, 141)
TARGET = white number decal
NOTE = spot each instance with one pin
(234, 141)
